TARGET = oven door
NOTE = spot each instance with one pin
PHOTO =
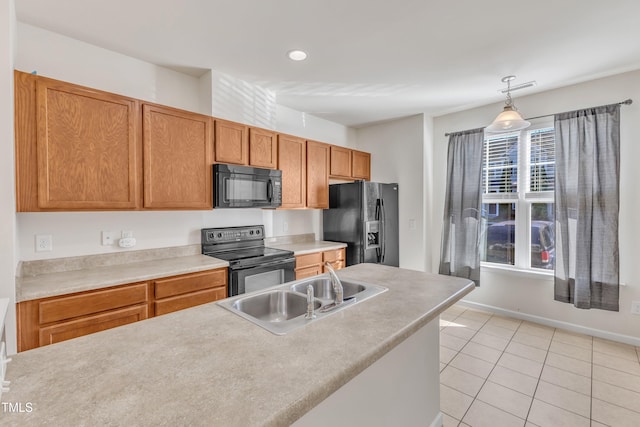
(262, 276)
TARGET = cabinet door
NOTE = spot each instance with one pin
(340, 162)
(361, 165)
(86, 148)
(335, 257)
(231, 142)
(187, 283)
(82, 304)
(180, 302)
(263, 146)
(178, 154)
(89, 325)
(292, 161)
(305, 272)
(317, 175)
(308, 265)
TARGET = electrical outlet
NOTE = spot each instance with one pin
(44, 243)
(107, 238)
(127, 234)
(285, 226)
(635, 307)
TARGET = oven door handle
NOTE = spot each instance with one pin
(267, 264)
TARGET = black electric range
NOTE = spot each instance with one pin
(252, 265)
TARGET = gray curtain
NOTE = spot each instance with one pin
(587, 203)
(460, 254)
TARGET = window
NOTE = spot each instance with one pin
(518, 176)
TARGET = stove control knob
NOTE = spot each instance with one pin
(219, 235)
(251, 232)
(257, 231)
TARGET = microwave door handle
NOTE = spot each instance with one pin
(269, 191)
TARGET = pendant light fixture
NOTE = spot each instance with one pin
(510, 119)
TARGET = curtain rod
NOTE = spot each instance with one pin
(625, 102)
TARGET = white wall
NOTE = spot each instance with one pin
(66, 59)
(7, 181)
(312, 127)
(396, 149)
(63, 58)
(532, 294)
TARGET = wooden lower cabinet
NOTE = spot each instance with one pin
(313, 264)
(90, 324)
(188, 290)
(335, 257)
(50, 320)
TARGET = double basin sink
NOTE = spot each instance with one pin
(283, 308)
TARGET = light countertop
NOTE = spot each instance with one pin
(302, 248)
(208, 366)
(66, 282)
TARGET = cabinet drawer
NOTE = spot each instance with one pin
(336, 265)
(308, 259)
(333, 255)
(88, 325)
(187, 283)
(180, 302)
(304, 272)
(62, 308)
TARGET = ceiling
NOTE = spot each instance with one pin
(369, 60)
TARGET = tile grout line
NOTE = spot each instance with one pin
(489, 374)
(533, 398)
(544, 364)
(485, 380)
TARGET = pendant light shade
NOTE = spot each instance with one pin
(510, 119)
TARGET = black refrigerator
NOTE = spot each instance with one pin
(364, 215)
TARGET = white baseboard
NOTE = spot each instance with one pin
(555, 323)
(438, 421)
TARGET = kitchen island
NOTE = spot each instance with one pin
(208, 366)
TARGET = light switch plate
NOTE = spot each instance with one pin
(635, 307)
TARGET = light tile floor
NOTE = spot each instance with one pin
(499, 371)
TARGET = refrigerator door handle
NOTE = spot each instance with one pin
(379, 253)
(383, 242)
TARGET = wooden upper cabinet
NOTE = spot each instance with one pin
(317, 175)
(178, 154)
(231, 142)
(263, 148)
(361, 165)
(86, 147)
(340, 162)
(292, 161)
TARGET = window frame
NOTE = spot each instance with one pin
(523, 200)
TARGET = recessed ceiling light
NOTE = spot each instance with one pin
(297, 55)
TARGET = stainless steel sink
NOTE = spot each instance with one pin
(323, 288)
(274, 306)
(282, 308)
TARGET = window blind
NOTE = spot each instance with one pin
(542, 159)
(500, 165)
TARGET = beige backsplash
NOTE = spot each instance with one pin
(285, 240)
(57, 265)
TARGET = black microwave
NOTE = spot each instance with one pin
(246, 187)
